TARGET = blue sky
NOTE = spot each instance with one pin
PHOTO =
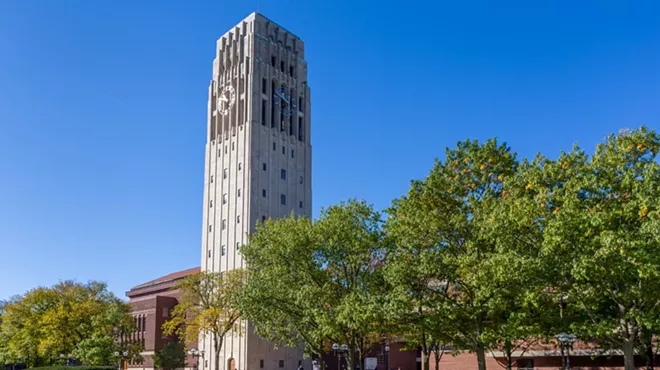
(103, 109)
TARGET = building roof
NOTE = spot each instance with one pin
(173, 276)
(163, 280)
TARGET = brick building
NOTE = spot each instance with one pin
(151, 304)
(543, 356)
(153, 301)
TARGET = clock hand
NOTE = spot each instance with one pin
(223, 98)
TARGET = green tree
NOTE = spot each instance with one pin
(527, 304)
(603, 235)
(170, 357)
(438, 227)
(414, 302)
(208, 304)
(69, 318)
(315, 283)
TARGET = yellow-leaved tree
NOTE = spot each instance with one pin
(207, 306)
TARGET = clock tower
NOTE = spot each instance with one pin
(257, 165)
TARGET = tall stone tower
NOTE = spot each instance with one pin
(258, 162)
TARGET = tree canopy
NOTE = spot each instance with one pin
(208, 305)
(487, 253)
(171, 356)
(84, 320)
(317, 283)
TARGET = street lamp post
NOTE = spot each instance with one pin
(123, 357)
(339, 352)
(195, 353)
(66, 359)
(566, 342)
(386, 353)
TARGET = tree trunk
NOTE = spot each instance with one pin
(650, 357)
(629, 354)
(509, 363)
(217, 346)
(350, 361)
(437, 358)
(648, 344)
(481, 356)
(426, 360)
(509, 352)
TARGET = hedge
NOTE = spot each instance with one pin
(82, 367)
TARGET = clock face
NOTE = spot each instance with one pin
(286, 100)
(226, 100)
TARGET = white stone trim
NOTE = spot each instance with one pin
(557, 353)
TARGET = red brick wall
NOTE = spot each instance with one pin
(468, 361)
(154, 337)
(400, 359)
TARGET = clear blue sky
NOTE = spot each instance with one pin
(103, 109)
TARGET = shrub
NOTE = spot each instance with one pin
(84, 367)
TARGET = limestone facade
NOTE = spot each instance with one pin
(258, 162)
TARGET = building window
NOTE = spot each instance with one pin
(225, 149)
(224, 198)
(261, 364)
(263, 219)
(264, 166)
(219, 152)
(225, 172)
(224, 224)
(232, 145)
(211, 179)
(525, 364)
(301, 104)
(240, 166)
(238, 245)
(272, 104)
(210, 228)
(238, 219)
(300, 204)
(166, 312)
(211, 203)
(281, 363)
(263, 192)
(291, 71)
(238, 192)
(209, 254)
(283, 174)
(293, 153)
(301, 179)
(263, 113)
(282, 66)
(206, 363)
(283, 199)
(139, 324)
(300, 129)
(273, 61)
(264, 86)
(224, 250)
(283, 150)
(274, 146)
